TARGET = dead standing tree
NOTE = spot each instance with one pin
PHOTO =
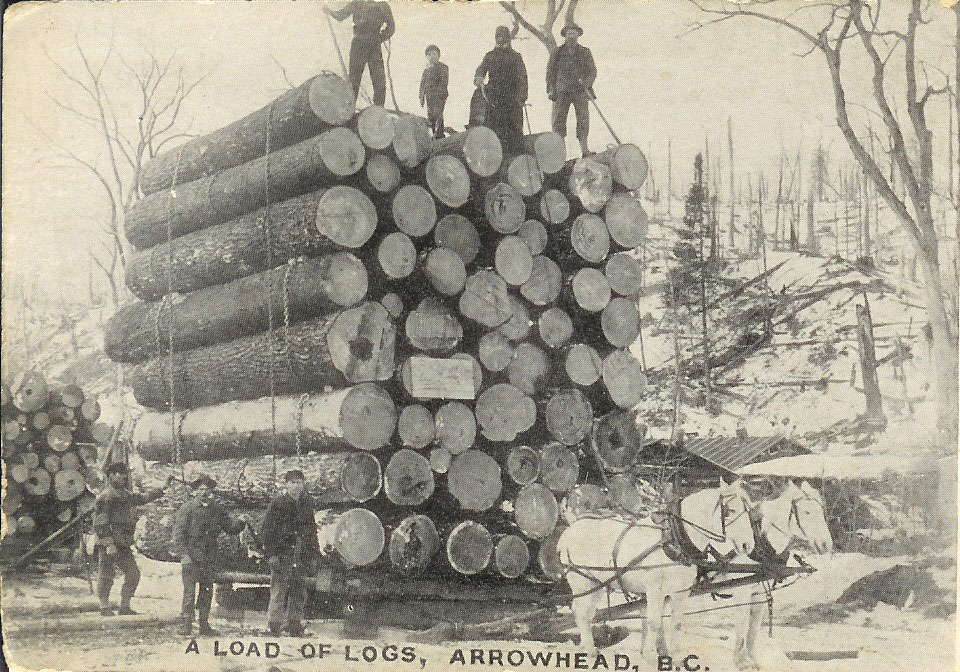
(133, 111)
(545, 31)
(840, 27)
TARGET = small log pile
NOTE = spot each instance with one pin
(431, 330)
(51, 450)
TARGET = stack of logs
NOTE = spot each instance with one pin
(51, 442)
(433, 330)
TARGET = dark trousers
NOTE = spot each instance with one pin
(288, 595)
(367, 54)
(435, 115)
(106, 571)
(581, 107)
(197, 591)
(506, 120)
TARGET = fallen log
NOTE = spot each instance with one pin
(545, 282)
(414, 210)
(432, 327)
(474, 480)
(528, 368)
(445, 271)
(448, 180)
(554, 206)
(589, 238)
(411, 140)
(513, 260)
(357, 535)
(523, 174)
(504, 208)
(624, 378)
(416, 427)
(518, 326)
(29, 391)
(620, 322)
(534, 234)
(375, 126)
(559, 468)
(523, 465)
(485, 299)
(626, 220)
(583, 364)
(495, 351)
(591, 291)
(383, 174)
(624, 273)
(616, 438)
(555, 327)
(397, 255)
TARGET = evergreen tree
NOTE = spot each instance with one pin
(688, 251)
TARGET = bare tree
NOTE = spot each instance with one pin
(134, 111)
(834, 28)
(543, 31)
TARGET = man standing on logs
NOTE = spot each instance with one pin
(114, 521)
(570, 76)
(289, 536)
(199, 523)
(506, 91)
(372, 26)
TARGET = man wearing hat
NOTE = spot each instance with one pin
(372, 25)
(570, 76)
(503, 77)
(289, 537)
(199, 523)
(114, 521)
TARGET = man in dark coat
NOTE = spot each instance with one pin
(506, 91)
(114, 521)
(570, 76)
(372, 26)
(433, 89)
(289, 537)
(198, 525)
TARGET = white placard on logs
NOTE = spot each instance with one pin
(433, 378)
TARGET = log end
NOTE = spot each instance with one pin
(346, 216)
(331, 99)
(368, 417)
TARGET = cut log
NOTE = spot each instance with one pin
(583, 364)
(393, 303)
(448, 180)
(60, 438)
(416, 427)
(72, 396)
(536, 511)
(38, 482)
(432, 327)
(12, 497)
(302, 112)
(485, 299)
(64, 514)
(624, 379)
(548, 557)
(226, 195)
(523, 465)
(455, 377)
(440, 459)
(503, 412)
(495, 351)
(88, 455)
(456, 232)
(585, 499)
(617, 437)
(511, 556)
(26, 525)
(590, 182)
(477, 371)
(397, 255)
(549, 149)
(528, 369)
(359, 537)
(24, 437)
(96, 479)
(559, 468)
(555, 327)
(90, 410)
(589, 238)
(591, 289)
(504, 208)
(513, 260)
(361, 417)
(545, 282)
(407, 479)
(346, 216)
(569, 417)
(445, 270)
(523, 174)
(101, 432)
(70, 462)
(295, 292)
(624, 494)
(19, 473)
(40, 422)
(11, 430)
(29, 390)
(31, 459)
(413, 544)
(534, 234)
(383, 173)
(554, 206)
(620, 322)
(361, 343)
(626, 220)
(456, 427)
(624, 273)
(469, 547)
(411, 140)
(478, 148)
(628, 166)
(414, 210)
(517, 327)
(375, 126)
(474, 480)
(52, 463)
(68, 485)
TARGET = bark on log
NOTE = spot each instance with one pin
(555, 327)
(513, 260)
(554, 206)
(624, 273)
(383, 173)
(411, 140)
(583, 364)
(292, 171)
(432, 327)
(627, 164)
(298, 114)
(503, 412)
(591, 290)
(469, 547)
(455, 427)
(626, 220)
(397, 255)
(474, 480)
(361, 417)
(534, 234)
(528, 369)
(589, 238)
(559, 468)
(569, 417)
(616, 438)
(523, 174)
(511, 556)
(485, 299)
(495, 351)
(549, 149)
(624, 379)
(445, 270)
(407, 479)
(358, 536)
(536, 511)
(590, 182)
(504, 208)
(478, 148)
(518, 326)
(375, 126)
(545, 282)
(297, 291)
(523, 465)
(455, 232)
(448, 180)
(620, 322)
(416, 426)
(413, 544)
(414, 210)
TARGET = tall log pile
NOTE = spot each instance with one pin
(437, 333)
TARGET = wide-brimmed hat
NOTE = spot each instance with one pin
(202, 480)
(571, 26)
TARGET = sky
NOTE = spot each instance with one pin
(657, 83)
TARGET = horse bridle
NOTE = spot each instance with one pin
(795, 513)
(724, 510)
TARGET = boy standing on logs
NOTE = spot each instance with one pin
(289, 536)
(433, 89)
(570, 76)
(372, 26)
(506, 91)
(199, 523)
(114, 521)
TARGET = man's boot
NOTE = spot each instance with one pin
(186, 626)
(296, 630)
(125, 609)
(106, 610)
(203, 628)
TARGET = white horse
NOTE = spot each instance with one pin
(625, 556)
(796, 515)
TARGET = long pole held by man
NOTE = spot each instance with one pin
(571, 72)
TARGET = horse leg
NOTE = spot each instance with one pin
(584, 607)
(655, 603)
(746, 631)
(754, 627)
(678, 608)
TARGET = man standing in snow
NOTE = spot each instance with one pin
(372, 26)
(570, 76)
(503, 75)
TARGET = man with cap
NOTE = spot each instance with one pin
(503, 77)
(289, 538)
(571, 72)
(198, 525)
(114, 521)
(372, 26)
